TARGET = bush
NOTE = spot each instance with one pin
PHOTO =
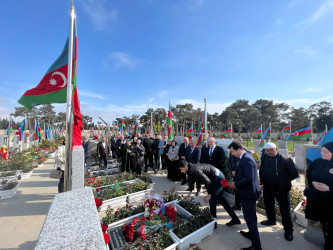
(19, 161)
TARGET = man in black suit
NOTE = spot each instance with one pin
(246, 182)
(86, 144)
(103, 151)
(181, 154)
(156, 152)
(214, 155)
(192, 155)
(147, 143)
(233, 163)
(114, 146)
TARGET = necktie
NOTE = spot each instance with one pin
(210, 152)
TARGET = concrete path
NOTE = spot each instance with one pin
(22, 216)
(229, 238)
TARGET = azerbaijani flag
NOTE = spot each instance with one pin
(22, 127)
(136, 127)
(267, 132)
(189, 133)
(169, 124)
(286, 129)
(257, 133)
(39, 133)
(228, 131)
(123, 124)
(300, 134)
(201, 131)
(321, 136)
(10, 127)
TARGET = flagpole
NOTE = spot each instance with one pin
(69, 108)
(290, 133)
(270, 131)
(261, 131)
(232, 131)
(8, 133)
(311, 131)
(205, 101)
(326, 128)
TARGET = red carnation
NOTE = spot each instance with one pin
(116, 213)
(224, 183)
(104, 227)
(98, 202)
(106, 238)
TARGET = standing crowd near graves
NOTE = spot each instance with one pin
(211, 170)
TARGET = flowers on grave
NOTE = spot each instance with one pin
(170, 195)
(303, 205)
(171, 212)
(121, 213)
(224, 183)
(105, 234)
(98, 203)
(153, 205)
(4, 153)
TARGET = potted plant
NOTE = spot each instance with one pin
(40, 162)
(300, 213)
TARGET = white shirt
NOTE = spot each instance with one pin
(103, 144)
(242, 155)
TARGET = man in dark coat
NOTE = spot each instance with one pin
(214, 155)
(211, 177)
(233, 163)
(181, 154)
(147, 143)
(86, 144)
(246, 182)
(192, 155)
(276, 173)
(115, 146)
(103, 151)
(156, 152)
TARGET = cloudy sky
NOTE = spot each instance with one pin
(133, 55)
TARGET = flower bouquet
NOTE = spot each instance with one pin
(153, 204)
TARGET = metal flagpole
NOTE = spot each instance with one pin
(311, 131)
(206, 137)
(326, 128)
(69, 108)
(270, 132)
(291, 143)
(232, 131)
(8, 138)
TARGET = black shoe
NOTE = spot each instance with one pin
(233, 222)
(236, 207)
(248, 248)
(188, 189)
(215, 226)
(184, 182)
(288, 236)
(245, 234)
(197, 193)
(268, 223)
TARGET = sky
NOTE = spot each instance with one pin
(135, 55)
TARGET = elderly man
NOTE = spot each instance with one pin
(86, 144)
(181, 154)
(246, 182)
(162, 152)
(276, 173)
(103, 151)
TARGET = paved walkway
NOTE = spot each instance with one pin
(22, 216)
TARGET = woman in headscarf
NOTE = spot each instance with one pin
(320, 192)
(174, 172)
(140, 151)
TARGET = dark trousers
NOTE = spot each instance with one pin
(114, 154)
(164, 159)
(157, 161)
(184, 177)
(328, 234)
(217, 198)
(149, 161)
(250, 217)
(103, 159)
(283, 199)
(87, 161)
(61, 186)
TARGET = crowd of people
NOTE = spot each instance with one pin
(208, 165)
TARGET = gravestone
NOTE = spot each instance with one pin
(283, 152)
(179, 140)
(256, 146)
(30, 140)
(299, 157)
(282, 144)
(24, 142)
(3, 140)
(117, 240)
(224, 143)
(16, 142)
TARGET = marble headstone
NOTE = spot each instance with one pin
(78, 167)
(282, 144)
(256, 146)
(3, 140)
(16, 141)
(283, 152)
(179, 140)
(299, 157)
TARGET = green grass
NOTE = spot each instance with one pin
(290, 145)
